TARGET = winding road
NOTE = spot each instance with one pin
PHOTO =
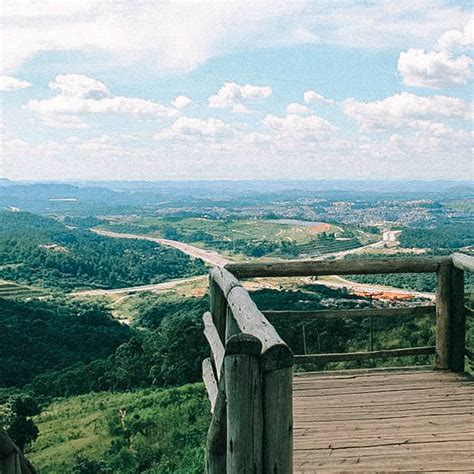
(167, 285)
(214, 258)
(208, 256)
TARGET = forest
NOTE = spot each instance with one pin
(48, 253)
(448, 236)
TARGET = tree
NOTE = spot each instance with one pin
(15, 419)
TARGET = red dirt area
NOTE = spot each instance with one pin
(385, 295)
(318, 228)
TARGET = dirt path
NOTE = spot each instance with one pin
(214, 258)
(338, 282)
(209, 256)
(168, 285)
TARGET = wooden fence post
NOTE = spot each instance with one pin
(443, 310)
(450, 319)
(243, 383)
(231, 328)
(218, 305)
(457, 321)
(278, 421)
(216, 456)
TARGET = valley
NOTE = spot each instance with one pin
(102, 294)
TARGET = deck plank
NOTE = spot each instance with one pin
(383, 422)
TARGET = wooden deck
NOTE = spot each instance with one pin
(383, 422)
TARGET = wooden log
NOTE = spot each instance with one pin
(457, 321)
(216, 456)
(275, 353)
(360, 266)
(278, 421)
(463, 262)
(212, 336)
(209, 381)
(231, 328)
(338, 357)
(443, 310)
(244, 404)
(218, 305)
(414, 311)
(224, 279)
(12, 460)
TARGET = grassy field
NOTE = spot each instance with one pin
(252, 229)
(10, 290)
(321, 247)
(227, 236)
(91, 425)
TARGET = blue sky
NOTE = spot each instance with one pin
(135, 89)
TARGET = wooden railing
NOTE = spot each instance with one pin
(249, 373)
(12, 460)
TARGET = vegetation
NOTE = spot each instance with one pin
(151, 430)
(15, 419)
(424, 282)
(250, 237)
(42, 251)
(108, 392)
(42, 336)
(65, 347)
(11, 290)
(451, 236)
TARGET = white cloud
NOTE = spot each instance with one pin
(79, 94)
(403, 109)
(8, 83)
(61, 121)
(311, 127)
(231, 95)
(179, 36)
(434, 69)
(442, 67)
(298, 109)
(185, 128)
(80, 86)
(182, 102)
(315, 98)
(454, 39)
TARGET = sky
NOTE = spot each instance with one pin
(296, 89)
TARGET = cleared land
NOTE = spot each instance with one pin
(12, 290)
(416, 421)
(159, 287)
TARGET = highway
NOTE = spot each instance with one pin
(214, 258)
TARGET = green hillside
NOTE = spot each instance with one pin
(153, 431)
(45, 252)
(249, 237)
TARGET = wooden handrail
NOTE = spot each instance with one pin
(349, 356)
(215, 343)
(12, 460)
(249, 374)
(412, 311)
(250, 320)
(363, 266)
(210, 381)
(463, 262)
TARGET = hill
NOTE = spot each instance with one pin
(45, 252)
(44, 336)
(141, 431)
